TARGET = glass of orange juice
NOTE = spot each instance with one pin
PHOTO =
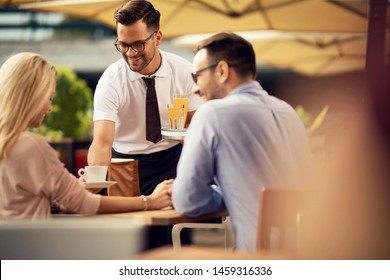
(174, 117)
(181, 103)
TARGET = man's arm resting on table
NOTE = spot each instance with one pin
(99, 152)
(202, 204)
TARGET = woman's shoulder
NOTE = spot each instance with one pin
(32, 143)
(31, 149)
(30, 138)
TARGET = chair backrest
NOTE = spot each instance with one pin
(279, 220)
(70, 239)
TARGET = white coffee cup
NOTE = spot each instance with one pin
(93, 173)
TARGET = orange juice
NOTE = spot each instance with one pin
(181, 102)
(174, 117)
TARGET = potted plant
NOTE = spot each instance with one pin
(71, 117)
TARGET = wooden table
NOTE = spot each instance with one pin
(163, 217)
(160, 222)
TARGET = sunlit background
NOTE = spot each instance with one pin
(316, 55)
(311, 54)
(308, 52)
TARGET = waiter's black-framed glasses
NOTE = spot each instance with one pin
(138, 46)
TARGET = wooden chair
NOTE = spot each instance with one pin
(225, 225)
(279, 225)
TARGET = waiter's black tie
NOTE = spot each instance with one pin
(153, 124)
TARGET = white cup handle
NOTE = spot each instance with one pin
(82, 173)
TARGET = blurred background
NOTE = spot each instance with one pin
(323, 57)
(317, 55)
(302, 47)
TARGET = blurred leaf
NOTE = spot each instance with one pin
(318, 120)
(316, 140)
(72, 107)
(305, 116)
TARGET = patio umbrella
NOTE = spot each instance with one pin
(312, 54)
(181, 17)
(316, 54)
(7, 3)
(99, 10)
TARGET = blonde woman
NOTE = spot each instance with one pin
(31, 176)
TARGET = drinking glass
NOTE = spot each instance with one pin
(181, 103)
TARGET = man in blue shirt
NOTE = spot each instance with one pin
(238, 141)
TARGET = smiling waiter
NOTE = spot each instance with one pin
(121, 100)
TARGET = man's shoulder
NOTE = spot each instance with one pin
(209, 108)
(119, 65)
(174, 58)
(115, 71)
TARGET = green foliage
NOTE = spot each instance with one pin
(72, 108)
(317, 139)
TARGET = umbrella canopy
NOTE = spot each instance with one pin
(7, 3)
(315, 55)
(312, 54)
(181, 17)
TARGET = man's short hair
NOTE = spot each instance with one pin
(233, 49)
(135, 10)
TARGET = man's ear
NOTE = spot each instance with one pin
(223, 71)
(158, 38)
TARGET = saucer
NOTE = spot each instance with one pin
(95, 185)
(174, 134)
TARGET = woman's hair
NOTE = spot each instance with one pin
(135, 10)
(233, 49)
(26, 83)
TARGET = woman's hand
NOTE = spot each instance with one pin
(161, 196)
